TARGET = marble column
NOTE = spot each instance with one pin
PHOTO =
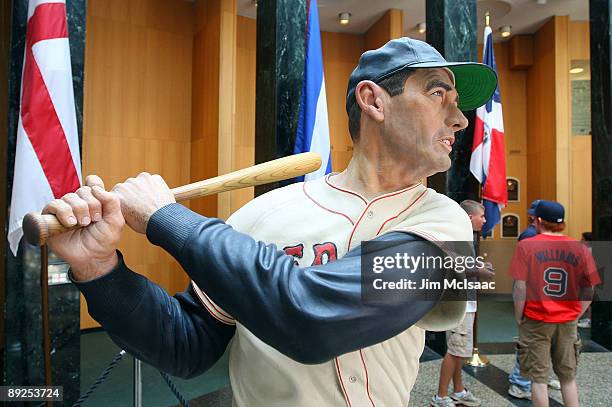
(451, 29)
(23, 358)
(601, 125)
(5, 42)
(281, 26)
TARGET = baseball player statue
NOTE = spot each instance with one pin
(298, 330)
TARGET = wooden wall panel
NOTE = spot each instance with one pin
(214, 76)
(341, 54)
(562, 112)
(205, 100)
(541, 129)
(137, 109)
(390, 25)
(580, 209)
(227, 101)
(521, 52)
(244, 146)
(580, 213)
(579, 40)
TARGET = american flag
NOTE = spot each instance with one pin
(47, 162)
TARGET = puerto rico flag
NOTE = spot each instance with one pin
(313, 129)
(488, 161)
(47, 163)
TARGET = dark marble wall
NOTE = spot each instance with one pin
(601, 117)
(281, 26)
(451, 29)
(23, 358)
(5, 44)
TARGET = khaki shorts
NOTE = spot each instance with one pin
(542, 342)
(459, 340)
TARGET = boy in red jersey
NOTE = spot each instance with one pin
(554, 279)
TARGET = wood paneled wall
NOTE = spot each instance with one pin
(580, 183)
(541, 104)
(559, 163)
(562, 111)
(341, 54)
(137, 109)
(388, 27)
(213, 147)
(244, 144)
(227, 153)
(205, 100)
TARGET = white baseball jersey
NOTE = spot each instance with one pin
(317, 222)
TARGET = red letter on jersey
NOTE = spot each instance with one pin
(324, 253)
(296, 251)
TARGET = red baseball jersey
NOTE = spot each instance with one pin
(555, 268)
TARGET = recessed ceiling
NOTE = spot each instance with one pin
(525, 16)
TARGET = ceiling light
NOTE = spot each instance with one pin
(421, 28)
(344, 18)
(541, 2)
(506, 31)
(577, 70)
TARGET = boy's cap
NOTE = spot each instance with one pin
(532, 208)
(551, 211)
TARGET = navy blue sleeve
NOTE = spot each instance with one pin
(530, 231)
(310, 314)
(175, 334)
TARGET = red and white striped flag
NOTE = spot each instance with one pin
(47, 163)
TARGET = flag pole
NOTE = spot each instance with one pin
(478, 360)
(44, 294)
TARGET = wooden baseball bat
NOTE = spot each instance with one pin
(38, 228)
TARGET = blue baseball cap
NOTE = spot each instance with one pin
(475, 83)
(532, 209)
(550, 211)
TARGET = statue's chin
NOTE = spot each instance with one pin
(441, 168)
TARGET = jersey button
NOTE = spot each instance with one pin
(352, 379)
(370, 214)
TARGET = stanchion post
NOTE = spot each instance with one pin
(44, 297)
(137, 383)
(477, 360)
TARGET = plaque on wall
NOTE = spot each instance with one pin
(510, 226)
(580, 76)
(512, 185)
(581, 107)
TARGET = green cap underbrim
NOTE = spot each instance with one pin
(475, 83)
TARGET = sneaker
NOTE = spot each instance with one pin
(584, 323)
(442, 401)
(519, 393)
(466, 399)
(554, 384)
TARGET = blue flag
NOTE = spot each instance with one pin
(313, 129)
